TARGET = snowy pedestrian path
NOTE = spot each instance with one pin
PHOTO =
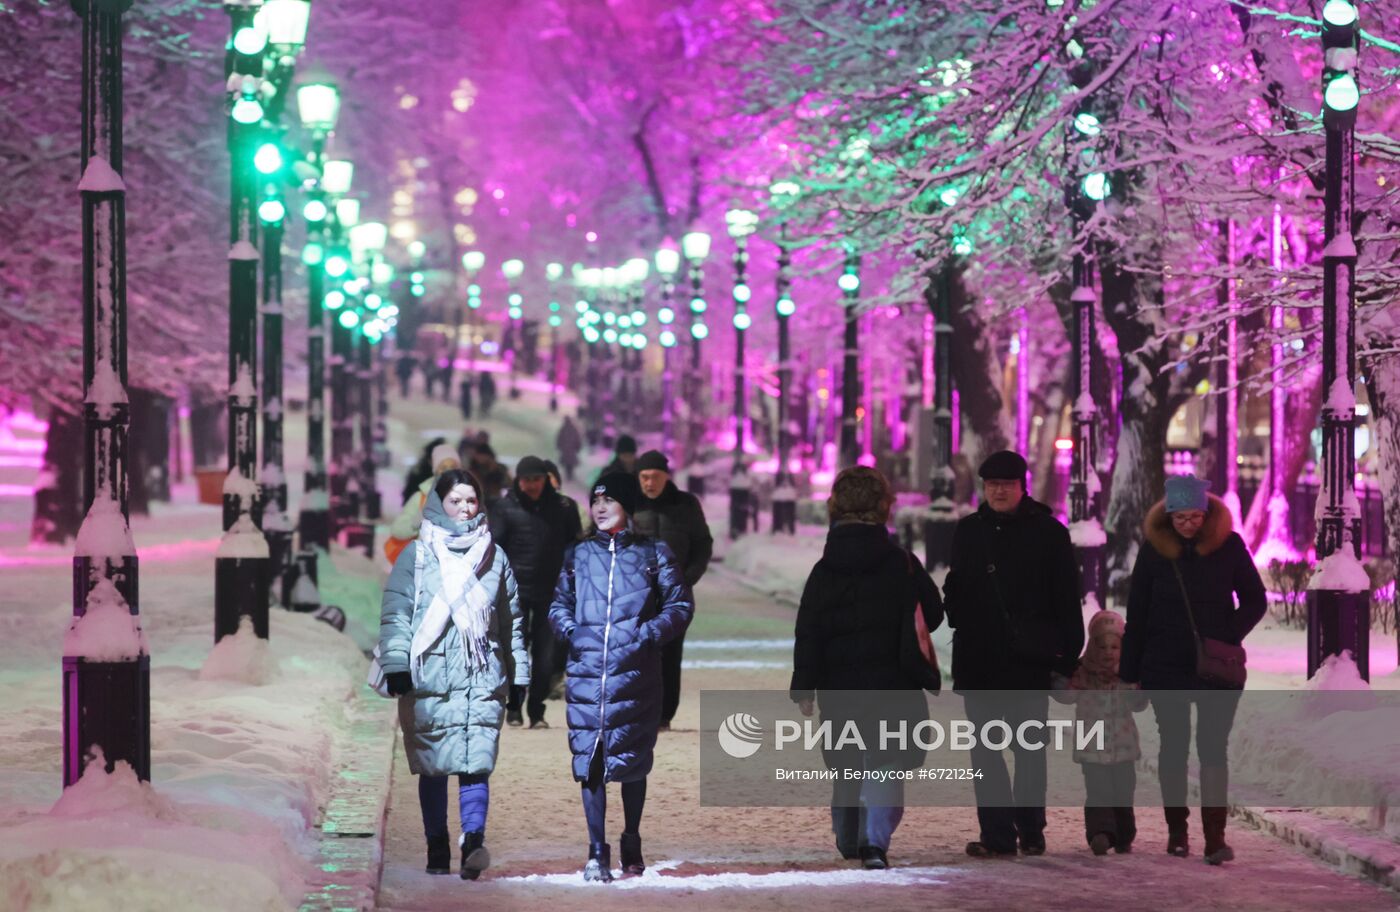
(783, 858)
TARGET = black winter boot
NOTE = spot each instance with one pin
(1213, 824)
(1178, 840)
(632, 863)
(439, 855)
(599, 867)
(475, 858)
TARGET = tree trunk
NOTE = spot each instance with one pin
(1383, 385)
(58, 491)
(1146, 409)
(1303, 404)
(977, 378)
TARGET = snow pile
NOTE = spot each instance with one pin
(243, 541)
(108, 631)
(99, 793)
(100, 177)
(104, 532)
(1087, 533)
(1338, 672)
(1342, 572)
(243, 657)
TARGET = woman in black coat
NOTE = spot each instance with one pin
(855, 632)
(1189, 573)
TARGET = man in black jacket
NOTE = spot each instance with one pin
(534, 524)
(1012, 597)
(676, 517)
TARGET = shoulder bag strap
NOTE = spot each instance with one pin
(1186, 600)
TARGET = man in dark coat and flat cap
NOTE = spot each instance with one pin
(1012, 597)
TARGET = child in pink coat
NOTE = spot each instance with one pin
(1098, 695)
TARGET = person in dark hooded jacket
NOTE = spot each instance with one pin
(1191, 569)
(677, 518)
(620, 599)
(535, 524)
(1012, 598)
(853, 627)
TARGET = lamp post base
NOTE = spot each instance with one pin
(938, 536)
(305, 598)
(106, 705)
(785, 516)
(1337, 622)
(315, 529)
(241, 589)
(740, 506)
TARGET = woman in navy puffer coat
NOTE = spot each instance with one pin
(620, 598)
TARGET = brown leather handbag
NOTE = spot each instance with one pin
(1218, 663)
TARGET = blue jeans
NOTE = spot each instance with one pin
(865, 812)
(474, 798)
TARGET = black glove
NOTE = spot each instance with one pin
(399, 683)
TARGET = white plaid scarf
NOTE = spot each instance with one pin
(465, 598)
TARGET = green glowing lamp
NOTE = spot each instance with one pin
(268, 158)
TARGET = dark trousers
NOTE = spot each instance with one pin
(473, 799)
(1007, 812)
(595, 802)
(1215, 716)
(671, 655)
(1108, 801)
(540, 637)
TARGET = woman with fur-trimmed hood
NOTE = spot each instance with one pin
(1192, 567)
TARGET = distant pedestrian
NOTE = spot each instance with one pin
(620, 599)
(535, 524)
(855, 633)
(1012, 598)
(404, 370)
(676, 517)
(1182, 612)
(488, 393)
(569, 441)
(624, 457)
(464, 398)
(451, 640)
(404, 529)
(495, 478)
(1100, 696)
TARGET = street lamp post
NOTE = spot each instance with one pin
(318, 105)
(285, 22)
(367, 240)
(1339, 609)
(241, 566)
(741, 223)
(1082, 195)
(513, 270)
(473, 261)
(553, 272)
(337, 176)
(849, 283)
(783, 194)
(667, 261)
(695, 247)
(106, 693)
(784, 493)
(636, 271)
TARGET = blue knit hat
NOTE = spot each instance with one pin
(1186, 493)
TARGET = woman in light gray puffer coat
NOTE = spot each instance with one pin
(451, 641)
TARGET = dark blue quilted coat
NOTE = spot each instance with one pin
(619, 599)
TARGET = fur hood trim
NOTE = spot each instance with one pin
(1217, 527)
